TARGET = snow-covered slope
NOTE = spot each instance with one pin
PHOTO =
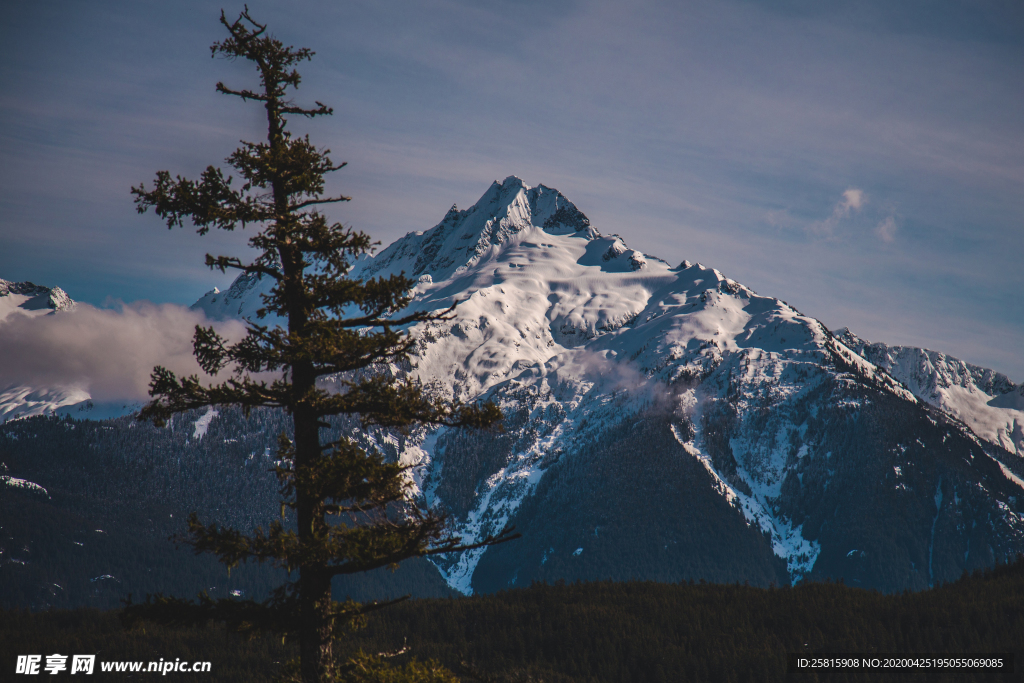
(22, 401)
(985, 400)
(757, 442)
(28, 299)
(241, 300)
(25, 298)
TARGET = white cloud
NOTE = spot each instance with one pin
(886, 230)
(853, 200)
(109, 353)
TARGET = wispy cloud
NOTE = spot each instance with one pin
(886, 229)
(852, 201)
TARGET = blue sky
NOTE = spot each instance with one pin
(864, 163)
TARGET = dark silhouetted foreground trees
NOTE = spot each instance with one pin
(329, 324)
(619, 632)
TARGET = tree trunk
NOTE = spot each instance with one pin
(314, 580)
(315, 653)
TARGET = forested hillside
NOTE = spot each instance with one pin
(610, 632)
(114, 492)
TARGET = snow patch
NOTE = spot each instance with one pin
(203, 423)
(788, 542)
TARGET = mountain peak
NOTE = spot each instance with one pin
(511, 185)
(504, 211)
(29, 298)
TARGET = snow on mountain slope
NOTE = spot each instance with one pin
(21, 401)
(581, 339)
(241, 300)
(539, 283)
(985, 400)
(26, 298)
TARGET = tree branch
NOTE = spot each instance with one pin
(321, 110)
(244, 94)
(311, 202)
(222, 263)
(503, 536)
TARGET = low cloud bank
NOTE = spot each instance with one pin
(109, 353)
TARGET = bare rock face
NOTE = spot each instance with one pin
(60, 301)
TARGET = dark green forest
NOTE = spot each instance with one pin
(639, 632)
(117, 491)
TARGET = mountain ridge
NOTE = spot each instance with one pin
(669, 422)
(27, 298)
(987, 401)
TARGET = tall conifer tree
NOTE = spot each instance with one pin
(308, 259)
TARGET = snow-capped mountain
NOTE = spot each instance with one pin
(28, 299)
(667, 422)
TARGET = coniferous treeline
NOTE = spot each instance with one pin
(123, 462)
(649, 632)
(612, 632)
(117, 490)
(90, 631)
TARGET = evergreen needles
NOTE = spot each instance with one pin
(308, 260)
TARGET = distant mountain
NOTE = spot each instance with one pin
(242, 300)
(26, 298)
(985, 400)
